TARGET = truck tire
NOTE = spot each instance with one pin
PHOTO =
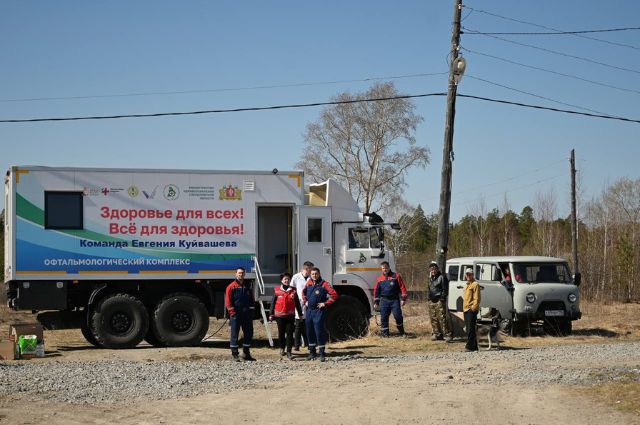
(151, 339)
(87, 333)
(119, 321)
(180, 320)
(347, 319)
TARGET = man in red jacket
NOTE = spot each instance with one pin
(240, 304)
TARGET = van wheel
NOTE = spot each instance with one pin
(120, 321)
(347, 319)
(180, 320)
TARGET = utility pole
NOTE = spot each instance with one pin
(574, 220)
(447, 152)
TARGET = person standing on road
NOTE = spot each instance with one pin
(470, 308)
(389, 295)
(283, 308)
(317, 296)
(240, 305)
(299, 281)
(437, 302)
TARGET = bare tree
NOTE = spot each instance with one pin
(367, 146)
(545, 210)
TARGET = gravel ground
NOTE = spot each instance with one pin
(124, 382)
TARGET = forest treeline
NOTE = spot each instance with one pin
(608, 234)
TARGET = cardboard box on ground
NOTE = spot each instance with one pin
(28, 336)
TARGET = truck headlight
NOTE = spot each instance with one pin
(531, 297)
(572, 298)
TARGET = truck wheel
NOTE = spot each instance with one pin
(119, 321)
(89, 336)
(347, 319)
(151, 338)
(180, 320)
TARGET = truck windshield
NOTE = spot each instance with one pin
(541, 273)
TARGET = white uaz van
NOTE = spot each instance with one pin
(521, 290)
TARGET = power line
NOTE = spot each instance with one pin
(232, 89)
(307, 105)
(555, 52)
(547, 108)
(469, 200)
(535, 95)
(629, 46)
(219, 111)
(550, 71)
(555, 32)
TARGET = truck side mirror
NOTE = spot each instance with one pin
(577, 279)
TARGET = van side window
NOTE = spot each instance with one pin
(453, 273)
(465, 267)
(63, 210)
(488, 272)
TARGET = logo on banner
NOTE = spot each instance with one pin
(133, 191)
(171, 192)
(230, 193)
(150, 195)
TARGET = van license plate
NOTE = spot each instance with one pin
(554, 313)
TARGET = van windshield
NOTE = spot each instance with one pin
(541, 273)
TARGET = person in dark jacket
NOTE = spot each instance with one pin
(389, 295)
(317, 296)
(284, 306)
(437, 303)
(240, 305)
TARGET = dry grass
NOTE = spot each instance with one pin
(623, 396)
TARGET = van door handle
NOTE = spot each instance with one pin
(349, 262)
(481, 287)
(459, 287)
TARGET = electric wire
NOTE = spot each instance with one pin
(629, 46)
(469, 200)
(231, 89)
(555, 52)
(555, 32)
(307, 105)
(535, 95)
(546, 108)
(550, 71)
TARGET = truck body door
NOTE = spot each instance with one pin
(315, 239)
(493, 294)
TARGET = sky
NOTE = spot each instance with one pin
(79, 58)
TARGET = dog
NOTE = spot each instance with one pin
(490, 329)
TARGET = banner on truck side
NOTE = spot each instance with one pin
(145, 222)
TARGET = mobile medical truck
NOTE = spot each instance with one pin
(133, 254)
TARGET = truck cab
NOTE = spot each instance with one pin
(521, 290)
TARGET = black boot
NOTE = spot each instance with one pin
(322, 354)
(235, 356)
(246, 355)
(401, 330)
(312, 354)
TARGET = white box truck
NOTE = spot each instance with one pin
(133, 254)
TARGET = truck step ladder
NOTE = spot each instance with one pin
(261, 300)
